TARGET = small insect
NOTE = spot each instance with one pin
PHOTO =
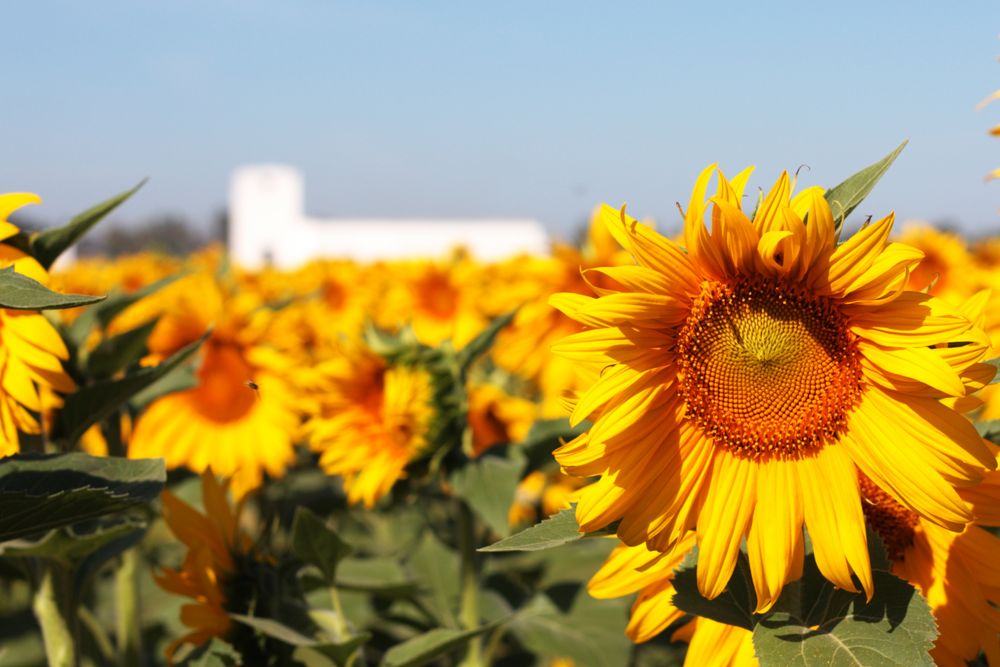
(253, 386)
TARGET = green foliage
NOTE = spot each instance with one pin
(488, 484)
(845, 197)
(565, 621)
(427, 647)
(481, 344)
(46, 246)
(97, 401)
(19, 292)
(115, 353)
(116, 303)
(552, 532)
(813, 622)
(316, 544)
(42, 492)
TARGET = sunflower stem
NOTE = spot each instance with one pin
(55, 608)
(129, 637)
(469, 610)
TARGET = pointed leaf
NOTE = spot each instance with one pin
(317, 544)
(734, 607)
(41, 492)
(92, 403)
(19, 292)
(488, 484)
(481, 344)
(844, 198)
(339, 653)
(552, 532)
(118, 352)
(424, 648)
(47, 245)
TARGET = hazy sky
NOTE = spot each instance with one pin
(539, 109)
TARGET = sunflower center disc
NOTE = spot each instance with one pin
(767, 370)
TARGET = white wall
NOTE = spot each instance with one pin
(267, 224)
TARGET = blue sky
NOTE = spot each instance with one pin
(537, 109)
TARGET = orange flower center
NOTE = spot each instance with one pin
(891, 521)
(222, 394)
(767, 369)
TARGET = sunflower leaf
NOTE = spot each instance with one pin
(488, 484)
(19, 292)
(734, 607)
(92, 403)
(116, 302)
(42, 492)
(844, 198)
(481, 344)
(566, 622)
(46, 246)
(424, 648)
(317, 544)
(835, 627)
(117, 352)
(551, 532)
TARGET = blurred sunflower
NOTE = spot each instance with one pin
(240, 419)
(496, 417)
(524, 347)
(369, 420)
(745, 379)
(31, 350)
(542, 494)
(946, 267)
(215, 545)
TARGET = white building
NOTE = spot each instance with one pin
(268, 225)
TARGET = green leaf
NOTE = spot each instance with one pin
(116, 302)
(839, 629)
(181, 378)
(435, 565)
(41, 492)
(735, 606)
(552, 532)
(69, 547)
(380, 576)
(488, 484)
(47, 245)
(844, 198)
(339, 653)
(275, 630)
(989, 430)
(481, 344)
(424, 648)
(216, 653)
(118, 352)
(317, 544)
(546, 435)
(591, 632)
(94, 402)
(19, 292)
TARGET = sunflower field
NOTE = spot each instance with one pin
(769, 439)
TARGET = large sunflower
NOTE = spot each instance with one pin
(31, 351)
(369, 420)
(747, 377)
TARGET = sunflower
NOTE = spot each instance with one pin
(370, 420)
(745, 379)
(496, 417)
(215, 545)
(31, 351)
(240, 418)
(945, 269)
